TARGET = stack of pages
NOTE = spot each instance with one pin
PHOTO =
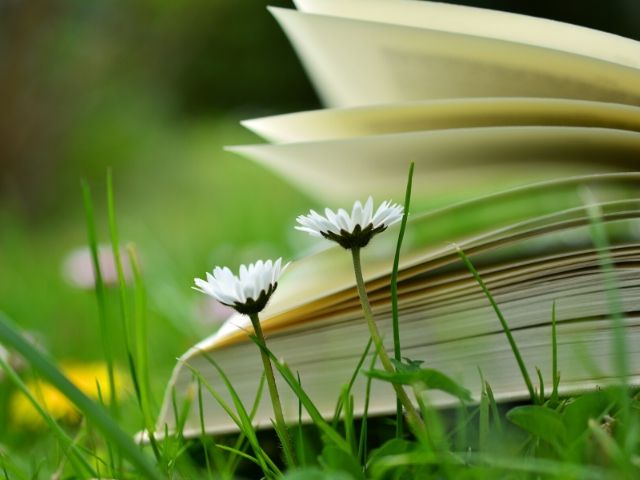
(483, 102)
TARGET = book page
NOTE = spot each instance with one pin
(484, 23)
(338, 123)
(450, 164)
(458, 338)
(354, 62)
(336, 350)
(322, 280)
(462, 333)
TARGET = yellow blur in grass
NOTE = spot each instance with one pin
(85, 376)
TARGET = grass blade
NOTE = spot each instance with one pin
(141, 364)
(483, 429)
(239, 453)
(311, 409)
(233, 460)
(554, 356)
(122, 287)
(349, 428)
(397, 353)
(105, 330)
(338, 411)
(204, 438)
(77, 460)
(503, 322)
(242, 418)
(495, 413)
(541, 383)
(362, 446)
(91, 410)
(601, 242)
(300, 453)
(115, 246)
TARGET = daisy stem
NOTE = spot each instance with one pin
(412, 414)
(273, 391)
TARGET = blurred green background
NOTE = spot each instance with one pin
(155, 89)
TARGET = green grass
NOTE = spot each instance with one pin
(144, 323)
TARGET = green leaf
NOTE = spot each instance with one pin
(576, 414)
(408, 365)
(335, 459)
(314, 473)
(432, 379)
(541, 422)
(395, 446)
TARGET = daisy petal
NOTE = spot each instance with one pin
(247, 291)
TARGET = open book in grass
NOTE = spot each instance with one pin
(481, 101)
(532, 246)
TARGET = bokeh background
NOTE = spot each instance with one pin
(154, 89)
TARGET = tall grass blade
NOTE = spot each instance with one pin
(483, 421)
(503, 322)
(91, 410)
(105, 330)
(309, 406)
(349, 427)
(461, 430)
(242, 440)
(182, 412)
(352, 380)
(541, 388)
(76, 443)
(300, 450)
(111, 457)
(77, 460)
(362, 446)
(612, 450)
(242, 418)
(204, 438)
(495, 413)
(620, 348)
(281, 433)
(435, 438)
(4, 466)
(141, 364)
(239, 453)
(554, 355)
(607, 267)
(115, 246)
(397, 352)
(122, 286)
(601, 242)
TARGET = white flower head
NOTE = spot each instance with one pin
(351, 231)
(248, 292)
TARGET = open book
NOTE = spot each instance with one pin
(482, 101)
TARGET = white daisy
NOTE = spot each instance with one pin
(351, 231)
(249, 292)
